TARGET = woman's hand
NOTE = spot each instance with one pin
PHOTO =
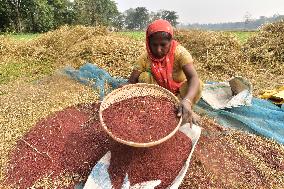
(185, 110)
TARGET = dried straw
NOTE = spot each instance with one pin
(266, 48)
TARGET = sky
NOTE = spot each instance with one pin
(209, 11)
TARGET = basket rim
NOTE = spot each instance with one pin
(131, 143)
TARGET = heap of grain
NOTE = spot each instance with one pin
(266, 48)
(217, 54)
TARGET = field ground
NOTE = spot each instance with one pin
(23, 36)
(11, 71)
(242, 36)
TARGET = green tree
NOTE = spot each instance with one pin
(81, 14)
(137, 19)
(95, 12)
(155, 16)
(14, 12)
(38, 15)
(5, 15)
(26, 15)
(63, 12)
(170, 16)
(119, 21)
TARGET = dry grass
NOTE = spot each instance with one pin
(73, 46)
(216, 54)
(267, 48)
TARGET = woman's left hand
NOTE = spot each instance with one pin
(185, 110)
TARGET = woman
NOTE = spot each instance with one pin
(169, 65)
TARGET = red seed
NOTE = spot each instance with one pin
(71, 138)
(141, 119)
(162, 162)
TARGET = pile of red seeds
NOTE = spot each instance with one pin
(162, 162)
(68, 141)
(141, 119)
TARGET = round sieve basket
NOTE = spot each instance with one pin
(136, 90)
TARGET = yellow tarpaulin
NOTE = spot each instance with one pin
(275, 95)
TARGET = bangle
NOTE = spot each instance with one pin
(186, 99)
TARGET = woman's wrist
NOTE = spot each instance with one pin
(188, 100)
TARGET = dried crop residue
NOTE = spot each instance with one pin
(141, 119)
(162, 162)
(74, 46)
(217, 53)
(221, 162)
(266, 48)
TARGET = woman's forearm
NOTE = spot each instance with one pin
(192, 81)
(193, 88)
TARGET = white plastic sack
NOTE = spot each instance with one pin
(233, 93)
(99, 177)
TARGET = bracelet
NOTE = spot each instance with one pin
(186, 99)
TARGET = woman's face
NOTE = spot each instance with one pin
(159, 45)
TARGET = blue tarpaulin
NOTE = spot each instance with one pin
(92, 75)
(262, 118)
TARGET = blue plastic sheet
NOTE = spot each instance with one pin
(262, 118)
(98, 78)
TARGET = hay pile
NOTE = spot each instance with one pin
(217, 55)
(51, 45)
(266, 48)
(114, 53)
(75, 45)
(7, 45)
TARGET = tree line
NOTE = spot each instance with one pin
(248, 24)
(44, 15)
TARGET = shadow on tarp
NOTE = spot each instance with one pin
(262, 118)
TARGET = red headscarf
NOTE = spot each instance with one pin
(162, 69)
